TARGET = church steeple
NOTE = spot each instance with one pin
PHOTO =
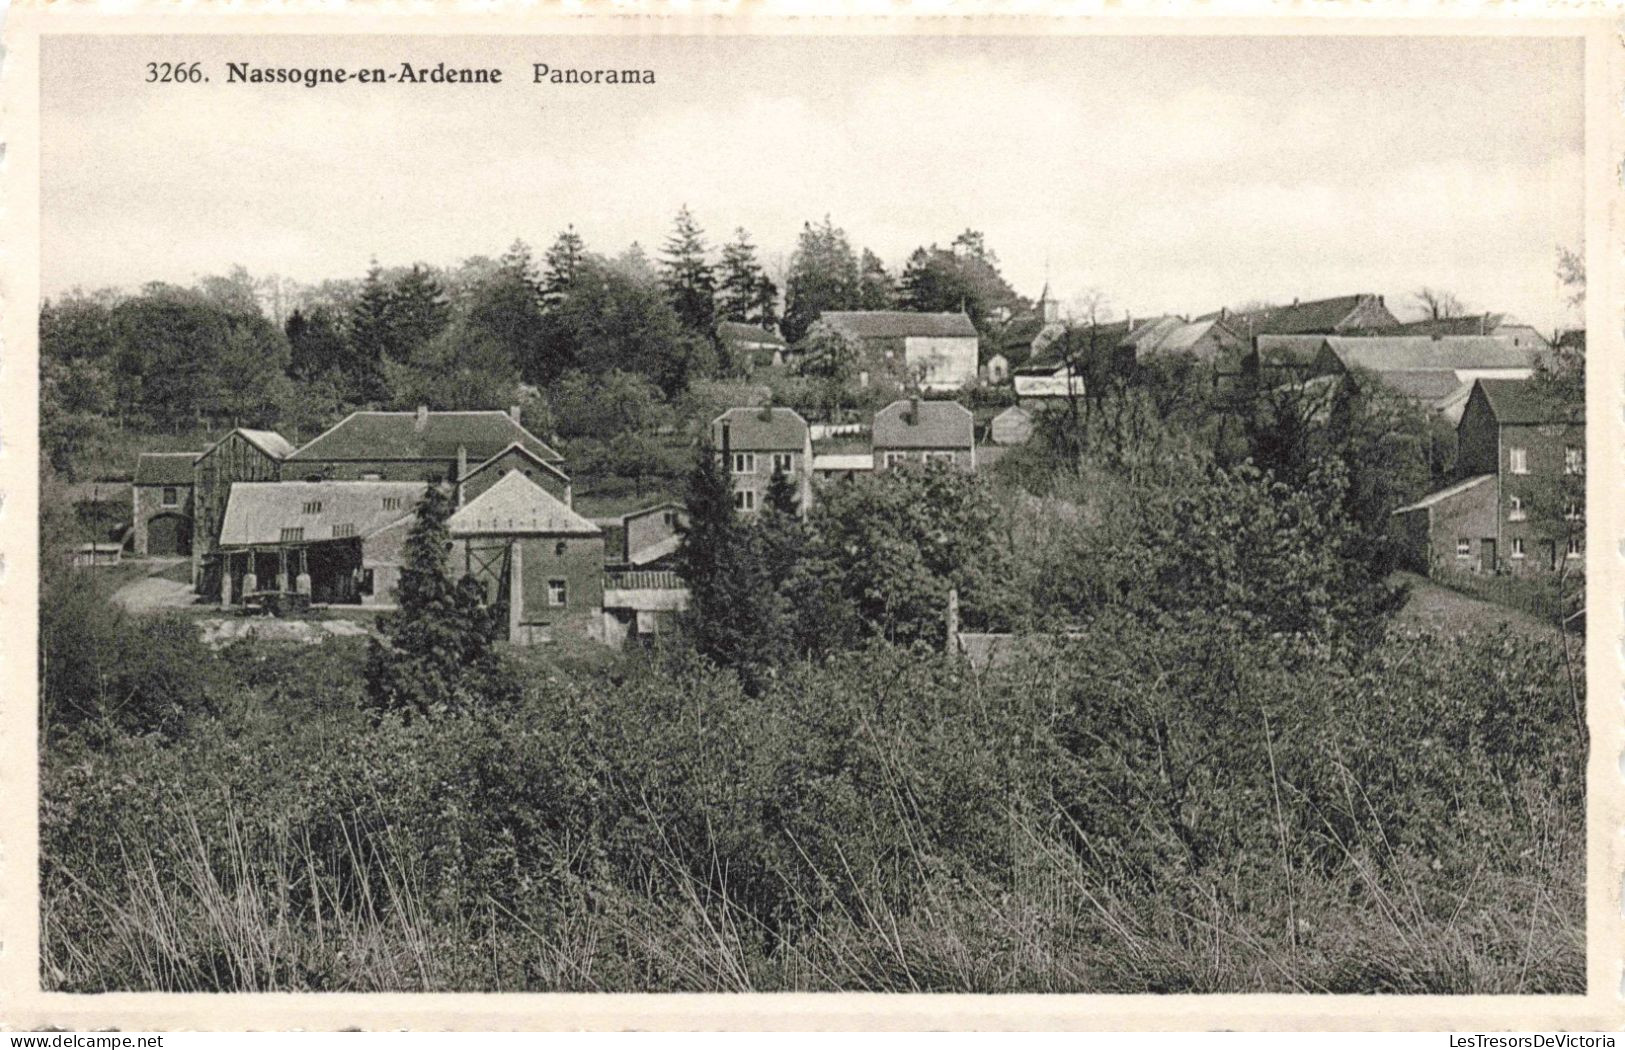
(1048, 308)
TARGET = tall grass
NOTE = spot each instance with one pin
(1168, 812)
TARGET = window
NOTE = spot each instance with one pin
(372, 477)
(172, 496)
(1573, 459)
(894, 458)
(670, 518)
(1571, 511)
(557, 593)
(366, 581)
(343, 531)
(1515, 511)
(292, 535)
(313, 506)
(1518, 460)
(1517, 546)
(940, 457)
(744, 462)
(392, 503)
(782, 462)
(745, 500)
(1576, 547)
(1464, 548)
(559, 548)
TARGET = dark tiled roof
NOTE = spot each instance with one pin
(165, 468)
(1320, 315)
(739, 332)
(1021, 332)
(939, 424)
(395, 435)
(761, 430)
(1389, 353)
(896, 324)
(1523, 401)
(1106, 336)
(258, 512)
(1477, 324)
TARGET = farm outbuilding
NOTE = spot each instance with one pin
(537, 559)
(339, 542)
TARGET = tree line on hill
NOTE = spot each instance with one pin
(238, 350)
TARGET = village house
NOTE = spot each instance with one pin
(751, 345)
(470, 449)
(1520, 507)
(1344, 314)
(335, 542)
(644, 539)
(1212, 340)
(538, 560)
(757, 443)
(1498, 326)
(161, 498)
(912, 430)
(1437, 372)
(936, 351)
(1141, 338)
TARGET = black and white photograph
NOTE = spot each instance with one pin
(928, 511)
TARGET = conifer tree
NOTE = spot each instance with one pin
(688, 279)
(823, 276)
(739, 290)
(876, 289)
(418, 312)
(370, 336)
(434, 653)
(562, 265)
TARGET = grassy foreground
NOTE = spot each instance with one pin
(1184, 808)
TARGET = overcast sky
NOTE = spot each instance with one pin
(1175, 174)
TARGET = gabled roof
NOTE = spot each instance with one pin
(1476, 324)
(896, 324)
(1394, 353)
(936, 424)
(517, 506)
(1148, 333)
(267, 441)
(644, 512)
(165, 468)
(1425, 384)
(1443, 494)
(1284, 350)
(396, 435)
(782, 430)
(740, 332)
(1106, 336)
(257, 512)
(523, 451)
(1319, 315)
(1521, 402)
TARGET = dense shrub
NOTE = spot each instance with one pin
(1188, 805)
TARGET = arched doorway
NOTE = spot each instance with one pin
(169, 535)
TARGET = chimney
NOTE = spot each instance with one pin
(913, 415)
(766, 414)
(513, 413)
(1294, 300)
(423, 417)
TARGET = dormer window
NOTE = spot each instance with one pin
(313, 506)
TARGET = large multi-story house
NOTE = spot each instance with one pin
(915, 431)
(757, 443)
(1520, 506)
(935, 352)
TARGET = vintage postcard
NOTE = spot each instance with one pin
(623, 517)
